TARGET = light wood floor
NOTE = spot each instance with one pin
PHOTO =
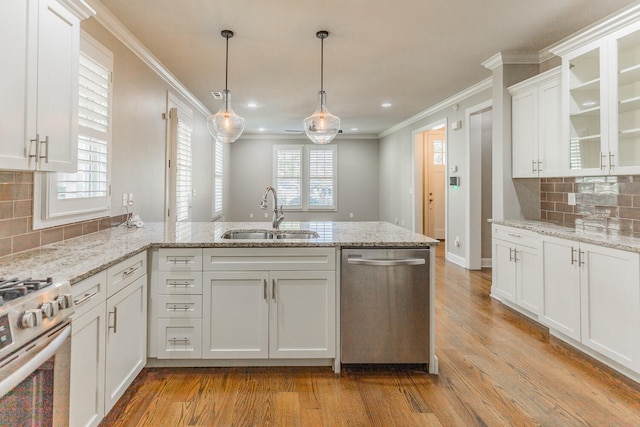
(497, 368)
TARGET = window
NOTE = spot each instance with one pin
(305, 176)
(69, 197)
(218, 176)
(180, 163)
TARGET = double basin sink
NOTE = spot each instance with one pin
(269, 234)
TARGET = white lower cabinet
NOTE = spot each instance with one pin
(516, 268)
(269, 303)
(592, 295)
(126, 341)
(269, 314)
(88, 331)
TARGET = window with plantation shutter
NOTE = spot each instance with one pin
(218, 175)
(184, 188)
(70, 197)
(305, 177)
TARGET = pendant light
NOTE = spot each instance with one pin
(225, 125)
(322, 126)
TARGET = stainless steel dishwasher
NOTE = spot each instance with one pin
(386, 307)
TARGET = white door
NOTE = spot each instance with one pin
(235, 315)
(126, 339)
(434, 183)
(561, 286)
(302, 314)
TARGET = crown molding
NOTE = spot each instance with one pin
(535, 81)
(302, 137)
(79, 8)
(511, 58)
(460, 96)
(597, 30)
(115, 27)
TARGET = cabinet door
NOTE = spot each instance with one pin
(86, 401)
(525, 134)
(235, 315)
(57, 104)
(554, 159)
(18, 45)
(504, 271)
(528, 291)
(611, 304)
(561, 286)
(303, 315)
(126, 339)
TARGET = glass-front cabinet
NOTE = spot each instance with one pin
(601, 102)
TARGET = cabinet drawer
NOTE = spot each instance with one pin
(185, 283)
(179, 338)
(89, 293)
(296, 259)
(180, 259)
(516, 235)
(126, 272)
(180, 306)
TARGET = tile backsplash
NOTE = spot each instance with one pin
(607, 204)
(16, 217)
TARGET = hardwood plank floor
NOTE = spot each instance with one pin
(497, 368)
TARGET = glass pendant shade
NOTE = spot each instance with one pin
(322, 126)
(225, 125)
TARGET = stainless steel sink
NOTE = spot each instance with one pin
(268, 234)
(248, 234)
(296, 234)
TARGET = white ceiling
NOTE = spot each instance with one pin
(411, 53)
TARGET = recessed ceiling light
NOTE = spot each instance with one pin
(261, 129)
(386, 105)
(252, 105)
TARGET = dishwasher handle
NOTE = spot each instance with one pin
(386, 262)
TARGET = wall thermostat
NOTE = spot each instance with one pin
(454, 180)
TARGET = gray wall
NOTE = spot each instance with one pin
(251, 165)
(139, 136)
(396, 172)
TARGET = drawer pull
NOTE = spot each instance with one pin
(176, 307)
(179, 340)
(514, 235)
(115, 320)
(84, 299)
(130, 270)
(175, 283)
(179, 260)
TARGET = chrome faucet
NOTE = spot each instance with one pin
(278, 215)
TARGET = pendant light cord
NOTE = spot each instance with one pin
(322, 64)
(226, 68)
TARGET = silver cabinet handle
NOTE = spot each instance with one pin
(273, 289)
(533, 166)
(602, 156)
(179, 340)
(85, 298)
(176, 283)
(130, 270)
(37, 142)
(573, 259)
(264, 288)
(176, 307)
(611, 164)
(580, 260)
(46, 146)
(511, 250)
(514, 235)
(386, 262)
(178, 260)
(115, 320)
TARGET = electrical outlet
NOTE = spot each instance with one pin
(250, 215)
(266, 215)
(457, 242)
(125, 199)
(130, 199)
(350, 214)
(571, 199)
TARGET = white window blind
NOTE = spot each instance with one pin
(183, 171)
(306, 176)
(218, 180)
(288, 176)
(321, 177)
(91, 180)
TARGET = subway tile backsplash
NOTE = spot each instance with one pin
(16, 217)
(604, 204)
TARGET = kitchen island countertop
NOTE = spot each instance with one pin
(81, 257)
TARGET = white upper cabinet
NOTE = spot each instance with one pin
(39, 105)
(601, 103)
(537, 126)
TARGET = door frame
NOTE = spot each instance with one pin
(473, 209)
(418, 174)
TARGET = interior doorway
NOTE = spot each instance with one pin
(434, 175)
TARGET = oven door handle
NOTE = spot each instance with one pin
(31, 365)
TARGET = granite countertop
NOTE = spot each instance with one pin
(626, 243)
(78, 258)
